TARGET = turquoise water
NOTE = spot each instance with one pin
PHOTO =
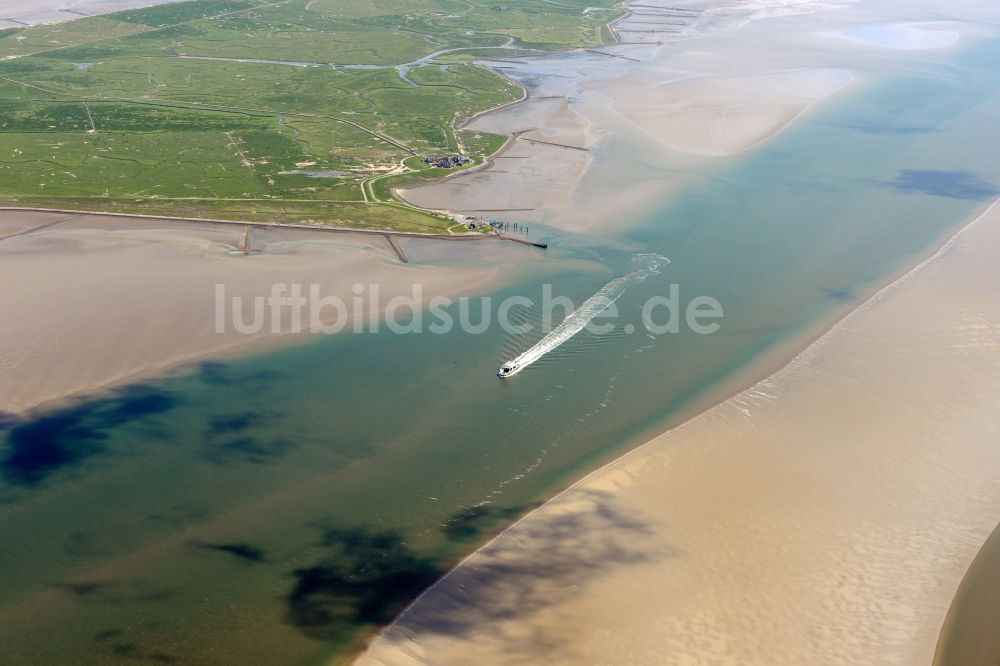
(270, 510)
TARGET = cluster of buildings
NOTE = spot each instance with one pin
(447, 161)
(476, 223)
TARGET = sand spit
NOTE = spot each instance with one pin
(720, 115)
(99, 300)
(824, 516)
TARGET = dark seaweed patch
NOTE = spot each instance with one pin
(840, 295)
(474, 522)
(221, 374)
(108, 634)
(560, 554)
(243, 551)
(85, 589)
(248, 448)
(135, 653)
(366, 577)
(63, 439)
(953, 184)
(128, 650)
(237, 423)
(230, 436)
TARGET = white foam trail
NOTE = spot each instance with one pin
(574, 323)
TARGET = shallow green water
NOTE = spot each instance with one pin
(269, 510)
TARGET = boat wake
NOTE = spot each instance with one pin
(648, 265)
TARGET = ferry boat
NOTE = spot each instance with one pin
(507, 369)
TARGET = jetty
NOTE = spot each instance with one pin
(248, 241)
(41, 227)
(611, 55)
(523, 241)
(249, 227)
(552, 143)
(397, 248)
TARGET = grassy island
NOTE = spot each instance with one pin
(304, 111)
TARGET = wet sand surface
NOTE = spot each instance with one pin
(721, 115)
(777, 528)
(34, 12)
(537, 169)
(140, 282)
(699, 104)
(969, 633)
(824, 516)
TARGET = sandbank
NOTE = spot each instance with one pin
(536, 170)
(721, 115)
(563, 121)
(900, 36)
(824, 516)
(94, 300)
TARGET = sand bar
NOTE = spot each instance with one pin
(824, 516)
(900, 36)
(721, 115)
(537, 176)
